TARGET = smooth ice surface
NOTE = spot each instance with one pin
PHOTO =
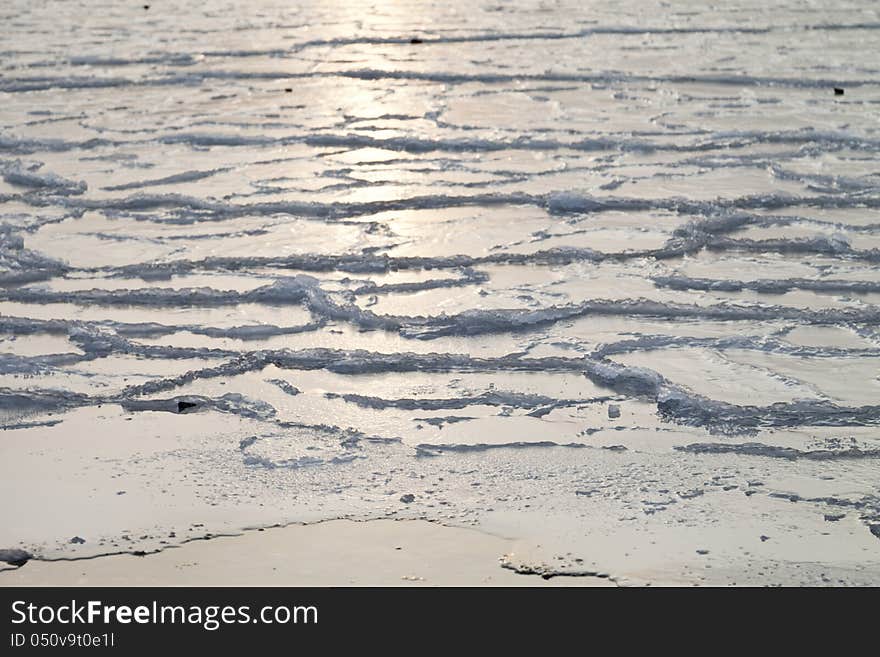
(599, 277)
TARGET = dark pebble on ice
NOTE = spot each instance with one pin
(838, 91)
(78, 540)
(702, 551)
(415, 41)
(764, 538)
(613, 411)
(288, 90)
(408, 498)
(146, 6)
(15, 557)
(183, 405)
(834, 517)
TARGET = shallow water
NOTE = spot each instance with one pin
(603, 278)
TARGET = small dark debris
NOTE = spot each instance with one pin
(408, 498)
(15, 557)
(834, 517)
(702, 551)
(613, 411)
(838, 91)
(78, 540)
(146, 7)
(288, 90)
(415, 41)
(764, 538)
(184, 405)
(120, 492)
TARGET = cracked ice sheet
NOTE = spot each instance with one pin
(462, 253)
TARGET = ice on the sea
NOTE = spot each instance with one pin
(565, 273)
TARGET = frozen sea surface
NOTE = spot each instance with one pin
(599, 276)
